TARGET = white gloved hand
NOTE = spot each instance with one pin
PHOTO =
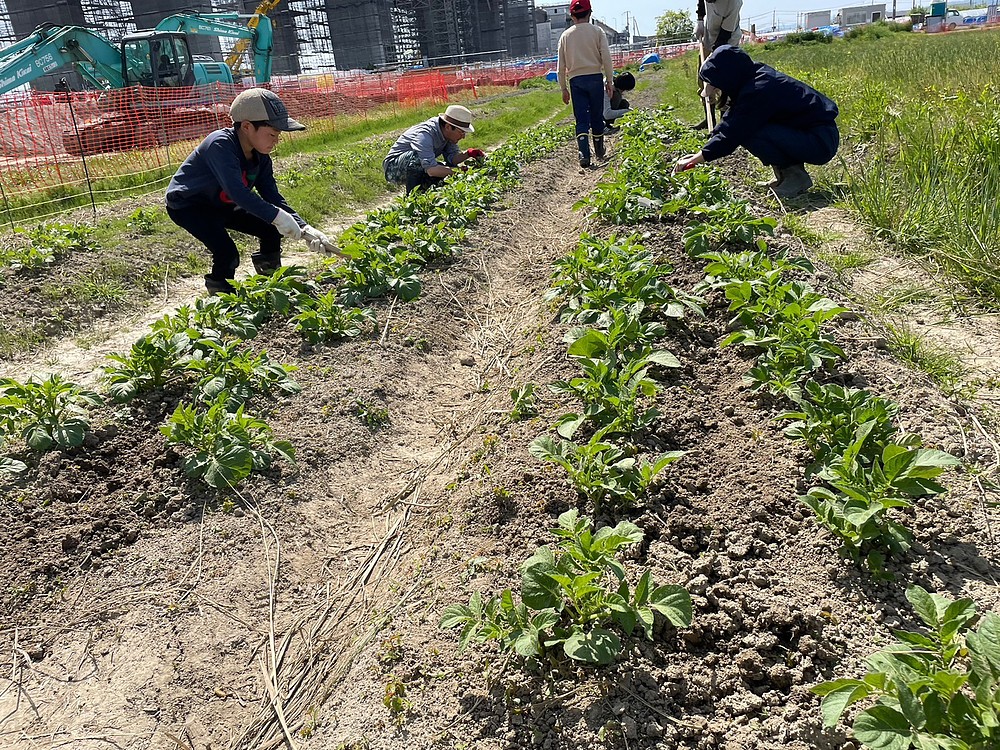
(317, 241)
(699, 30)
(285, 223)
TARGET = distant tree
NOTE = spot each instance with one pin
(675, 24)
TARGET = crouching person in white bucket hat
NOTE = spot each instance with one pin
(413, 159)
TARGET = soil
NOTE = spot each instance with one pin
(142, 611)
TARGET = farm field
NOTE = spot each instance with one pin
(532, 348)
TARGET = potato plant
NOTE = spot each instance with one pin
(939, 688)
(325, 319)
(48, 413)
(599, 276)
(856, 506)
(574, 599)
(602, 472)
(47, 244)
(228, 445)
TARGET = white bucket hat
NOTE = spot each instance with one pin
(458, 116)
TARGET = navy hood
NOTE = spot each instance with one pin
(729, 69)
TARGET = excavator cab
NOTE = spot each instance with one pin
(158, 59)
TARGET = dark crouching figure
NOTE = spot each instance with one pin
(227, 184)
(782, 121)
(615, 104)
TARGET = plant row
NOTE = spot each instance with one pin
(939, 689)
(204, 351)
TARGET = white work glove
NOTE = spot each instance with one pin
(317, 241)
(285, 223)
(699, 30)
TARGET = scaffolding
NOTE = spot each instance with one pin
(312, 36)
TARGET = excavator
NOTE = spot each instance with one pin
(159, 58)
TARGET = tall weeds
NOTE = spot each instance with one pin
(920, 120)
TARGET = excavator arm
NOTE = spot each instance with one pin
(257, 34)
(240, 48)
(51, 47)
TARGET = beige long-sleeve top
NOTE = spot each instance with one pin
(583, 50)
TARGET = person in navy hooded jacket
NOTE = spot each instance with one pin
(780, 120)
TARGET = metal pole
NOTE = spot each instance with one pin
(6, 206)
(64, 86)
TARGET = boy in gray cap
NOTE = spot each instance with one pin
(213, 190)
(413, 158)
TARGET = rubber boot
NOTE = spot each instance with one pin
(599, 150)
(796, 181)
(583, 143)
(219, 286)
(265, 265)
(778, 176)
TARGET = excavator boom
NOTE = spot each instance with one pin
(51, 47)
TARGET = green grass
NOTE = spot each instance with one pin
(920, 123)
(810, 237)
(943, 367)
(845, 260)
(898, 297)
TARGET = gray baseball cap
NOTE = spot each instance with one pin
(261, 105)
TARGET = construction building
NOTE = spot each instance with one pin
(313, 36)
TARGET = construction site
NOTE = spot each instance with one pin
(312, 36)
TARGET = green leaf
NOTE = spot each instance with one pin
(599, 646)
(984, 647)
(923, 605)
(567, 425)
(674, 603)
(229, 467)
(663, 358)
(455, 615)
(538, 589)
(883, 728)
(911, 708)
(837, 696)
(11, 465)
(591, 344)
(37, 437)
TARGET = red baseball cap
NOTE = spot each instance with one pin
(579, 7)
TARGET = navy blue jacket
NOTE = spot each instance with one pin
(218, 174)
(759, 95)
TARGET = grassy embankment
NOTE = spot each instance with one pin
(920, 122)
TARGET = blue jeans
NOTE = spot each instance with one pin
(781, 146)
(587, 94)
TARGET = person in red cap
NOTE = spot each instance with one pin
(585, 76)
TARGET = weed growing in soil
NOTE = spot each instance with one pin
(525, 402)
(943, 367)
(372, 416)
(575, 598)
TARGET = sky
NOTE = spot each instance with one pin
(761, 12)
